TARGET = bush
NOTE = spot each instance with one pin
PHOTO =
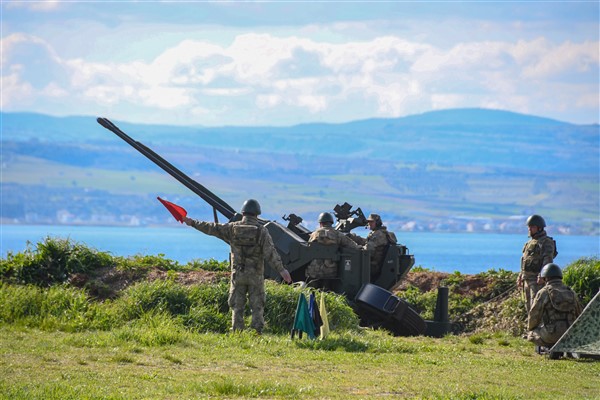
(498, 282)
(583, 276)
(423, 303)
(52, 261)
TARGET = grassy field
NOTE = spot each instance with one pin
(76, 323)
(162, 362)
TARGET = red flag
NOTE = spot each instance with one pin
(178, 212)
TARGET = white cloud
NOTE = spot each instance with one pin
(166, 98)
(26, 49)
(14, 91)
(55, 91)
(387, 74)
(567, 57)
(268, 100)
(226, 92)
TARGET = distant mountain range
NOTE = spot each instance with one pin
(463, 169)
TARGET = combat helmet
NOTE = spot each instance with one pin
(551, 271)
(325, 217)
(536, 220)
(376, 218)
(251, 206)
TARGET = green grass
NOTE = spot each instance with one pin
(160, 339)
(115, 364)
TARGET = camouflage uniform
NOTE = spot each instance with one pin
(325, 268)
(251, 245)
(554, 309)
(537, 252)
(377, 242)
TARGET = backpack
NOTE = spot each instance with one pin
(245, 235)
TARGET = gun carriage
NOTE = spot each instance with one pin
(370, 297)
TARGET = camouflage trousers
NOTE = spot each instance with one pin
(322, 269)
(247, 284)
(531, 287)
(547, 335)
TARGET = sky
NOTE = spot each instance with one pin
(290, 62)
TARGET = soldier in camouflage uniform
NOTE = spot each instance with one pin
(326, 235)
(554, 309)
(251, 245)
(377, 242)
(537, 252)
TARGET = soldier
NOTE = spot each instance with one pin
(377, 241)
(325, 268)
(554, 309)
(251, 245)
(537, 252)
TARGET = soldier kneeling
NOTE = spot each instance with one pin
(554, 309)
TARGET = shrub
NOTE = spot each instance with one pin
(52, 261)
(498, 282)
(209, 265)
(423, 303)
(583, 276)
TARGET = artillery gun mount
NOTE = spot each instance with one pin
(370, 297)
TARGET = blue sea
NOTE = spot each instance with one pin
(468, 253)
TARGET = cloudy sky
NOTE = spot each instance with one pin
(284, 63)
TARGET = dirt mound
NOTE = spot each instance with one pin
(189, 277)
(426, 281)
(482, 302)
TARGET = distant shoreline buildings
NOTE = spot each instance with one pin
(510, 225)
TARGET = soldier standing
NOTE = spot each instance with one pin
(537, 252)
(251, 245)
(325, 268)
(377, 242)
(554, 309)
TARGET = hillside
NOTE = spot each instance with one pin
(469, 169)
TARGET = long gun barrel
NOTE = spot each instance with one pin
(217, 203)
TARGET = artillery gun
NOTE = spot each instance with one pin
(370, 297)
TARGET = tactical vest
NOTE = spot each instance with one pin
(327, 237)
(533, 257)
(245, 246)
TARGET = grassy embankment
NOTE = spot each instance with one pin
(67, 333)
